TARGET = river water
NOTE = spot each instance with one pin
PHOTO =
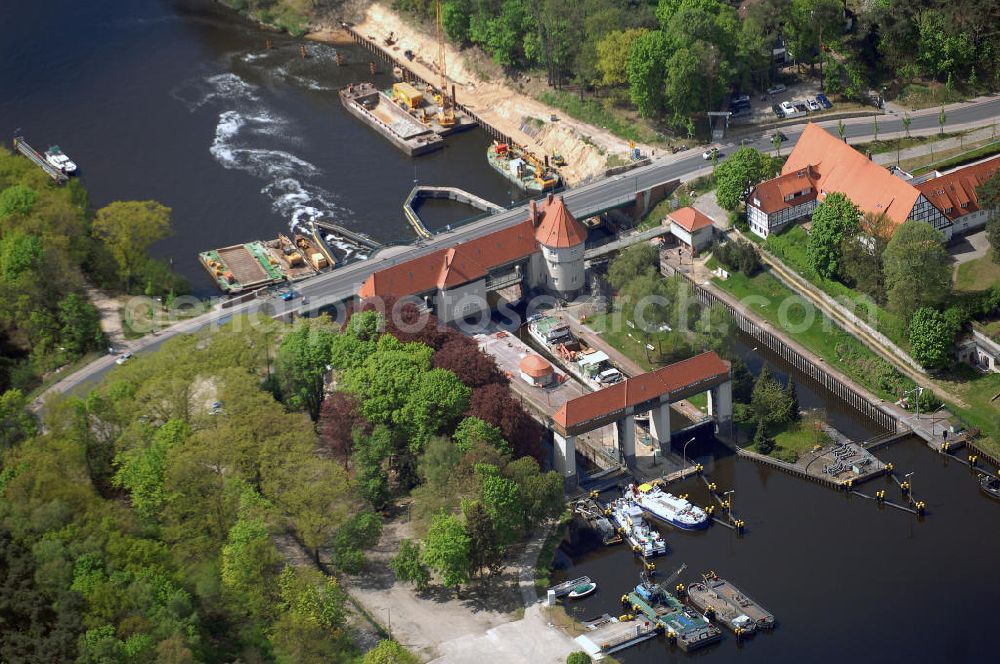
(180, 102)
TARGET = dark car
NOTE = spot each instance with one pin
(823, 101)
(287, 295)
(780, 136)
(777, 110)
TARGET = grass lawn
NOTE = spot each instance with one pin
(655, 216)
(602, 113)
(892, 144)
(790, 247)
(978, 390)
(916, 95)
(613, 329)
(799, 320)
(978, 274)
(950, 158)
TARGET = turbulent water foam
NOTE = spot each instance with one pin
(228, 87)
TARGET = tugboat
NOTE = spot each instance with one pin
(54, 155)
(521, 167)
(990, 486)
(667, 507)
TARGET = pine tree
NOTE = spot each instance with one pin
(793, 400)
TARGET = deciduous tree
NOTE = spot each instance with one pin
(932, 338)
(301, 364)
(917, 268)
(408, 565)
(833, 220)
(128, 228)
(988, 194)
(446, 550)
(737, 176)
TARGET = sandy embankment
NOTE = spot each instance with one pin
(585, 147)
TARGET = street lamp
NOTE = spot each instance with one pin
(729, 500)
(909, 482)
(685, 451)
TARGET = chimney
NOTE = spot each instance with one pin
(533, 213)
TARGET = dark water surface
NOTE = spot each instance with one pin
(847, 580)
(181, 103)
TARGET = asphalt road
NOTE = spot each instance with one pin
(342, 283)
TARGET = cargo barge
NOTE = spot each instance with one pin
(428, 106)
(367, 103)
(522, 168)
(690, 629)
(731, 606)
(243, 267)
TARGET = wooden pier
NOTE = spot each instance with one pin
(21, 146)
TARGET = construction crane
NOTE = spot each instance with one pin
(446, 116)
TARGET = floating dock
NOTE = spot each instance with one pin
(243, 267)
(607, 634)
(21, 145)
(728, 603)
(424, 100)
(689, 628)
(365, 102)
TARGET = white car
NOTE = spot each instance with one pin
(709, 153)
(813, 105)
(123, 358)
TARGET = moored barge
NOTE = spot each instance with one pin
(732, 607)
(367, 103)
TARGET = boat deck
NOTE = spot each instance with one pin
(729, 603)
(250, 264)
(607, 634)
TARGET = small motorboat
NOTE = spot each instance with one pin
(55, 156)
(990, 486)
(583, 590)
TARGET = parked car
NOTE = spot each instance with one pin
(741, 99)
(709, 153)
(123, 358)
(780, 136)
(792, 110)
(813, 105)
(777, 110)
(776, 89)
(823, 101)
(288, 295)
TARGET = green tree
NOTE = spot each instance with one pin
(18, 199)
(646, 72)
(861, 255)
(485, 546)
(988, 194)
(16, 421)
(389, 652)
(770, 402)
(370, 476)
(455, 19)
(361, 531)
(932, 338)
(541, 493)
(637, 260)
(612, 55)
(792, 397)
(841, 129)
(762, 442)
(942, 118)
(408, 565)
(249, 562)
(578, 657)
(833, 220)
(142, 469)
(302, 362)
(917, 268)
(737, 176)
(19, 253)
(502, 499)
(446, 550)
(907, 121)
(128, 228)
(80, 325)
(473, 430)
(438, 400)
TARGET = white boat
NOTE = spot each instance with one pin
(54, 155)
(667, 507)
(583, 590)
(549, 331)
(643, 539)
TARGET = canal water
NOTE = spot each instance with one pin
(846, 579)
(180, 102)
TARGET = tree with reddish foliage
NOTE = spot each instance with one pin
(493, 403)
(339, 416)
(473, 367)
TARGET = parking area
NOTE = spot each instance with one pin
(791, 100)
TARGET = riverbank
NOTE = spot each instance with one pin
(480, 86)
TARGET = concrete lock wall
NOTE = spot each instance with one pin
(659, 426)
(565, 461)
(625, 435)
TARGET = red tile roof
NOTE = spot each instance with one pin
(769, 196)
(559, 228)
(615, 398)
(447, 268)
(955, 193)
(843, 169)
(689, 219)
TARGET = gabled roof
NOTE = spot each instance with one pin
(843, 169)
(770, 195)
(457, 265)
(636, 390)
(954, 193)
(558, 228)
(689, 219)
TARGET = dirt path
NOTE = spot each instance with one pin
(111, 318)
(585, 147)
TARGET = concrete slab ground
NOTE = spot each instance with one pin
(969, 247)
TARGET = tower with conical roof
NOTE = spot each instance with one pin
(558, 266)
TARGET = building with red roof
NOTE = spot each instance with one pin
(822, 164)
(691, 227)
(545, 251)
(954, 193)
